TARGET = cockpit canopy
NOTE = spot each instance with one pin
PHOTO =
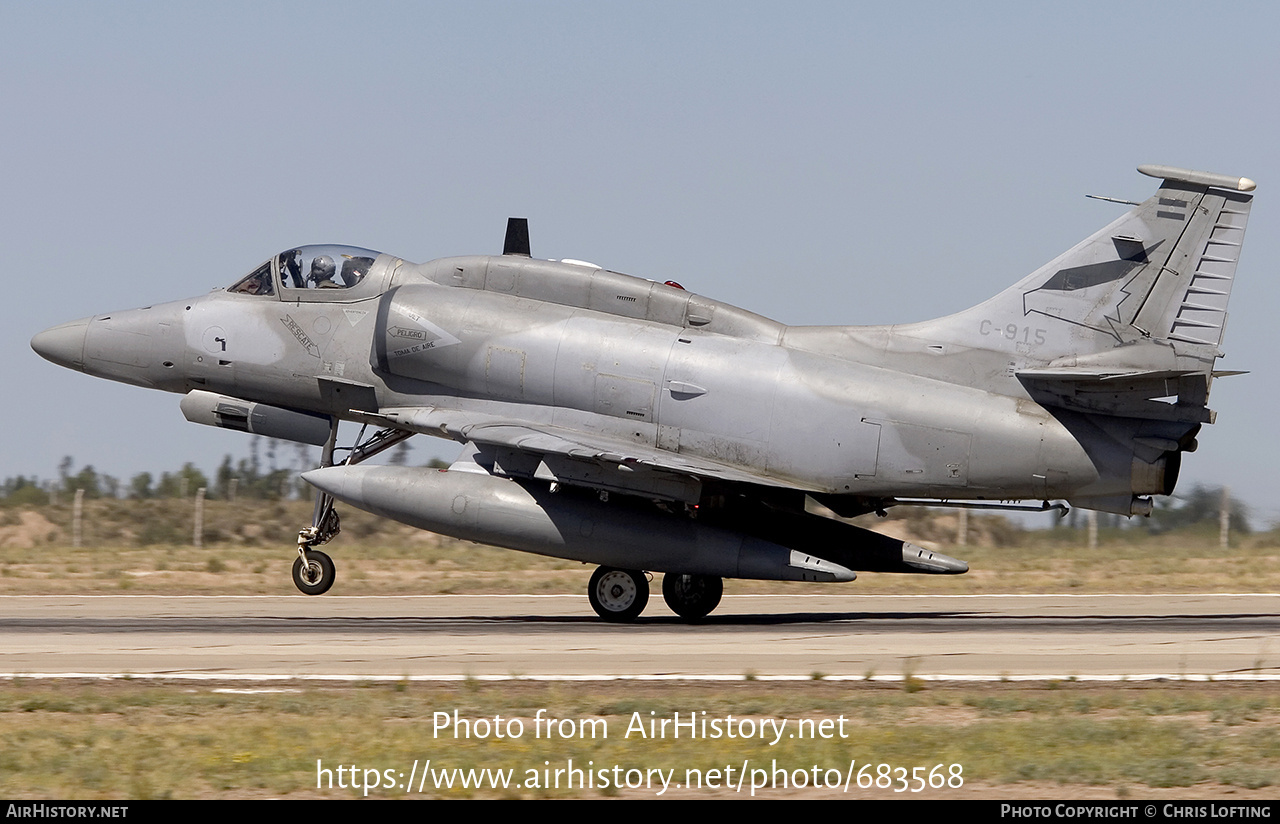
(321, 266)
(324, 267)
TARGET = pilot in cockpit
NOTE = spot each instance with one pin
(322, 272)
(258, 283)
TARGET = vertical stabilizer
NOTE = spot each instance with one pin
(1163, 273)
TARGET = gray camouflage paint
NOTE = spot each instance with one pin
(1085, 381)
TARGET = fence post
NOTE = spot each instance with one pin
(1224, 518)
(199, 530)
(77, 519)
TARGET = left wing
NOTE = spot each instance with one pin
(525, 449)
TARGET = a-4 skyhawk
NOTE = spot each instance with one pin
(632, 424)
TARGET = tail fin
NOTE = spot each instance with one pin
(1161, 273)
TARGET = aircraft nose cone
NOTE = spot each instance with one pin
(63, 344)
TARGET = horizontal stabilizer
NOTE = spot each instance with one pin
(1158, 395)
(1089, 375)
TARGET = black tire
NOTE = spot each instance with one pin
(692, 597)
(319, 574)
(618, 595)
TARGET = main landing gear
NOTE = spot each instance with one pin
(692, 597)
(620, 595)
(313, 570)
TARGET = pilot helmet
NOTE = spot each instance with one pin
(322, 269)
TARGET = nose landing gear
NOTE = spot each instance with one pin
(313, 570)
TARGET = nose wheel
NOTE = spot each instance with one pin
(313, 572)
(618, 595)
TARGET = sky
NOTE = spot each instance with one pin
(818, 163)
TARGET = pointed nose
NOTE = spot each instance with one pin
(342, 482)
(63, 344)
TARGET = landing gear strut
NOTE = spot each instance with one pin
(618, 595)
(692, 596)
(313, 571)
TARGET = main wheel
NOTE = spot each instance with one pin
(692, 596)
(316, 576)
(618, 595)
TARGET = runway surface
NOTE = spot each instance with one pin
(457, 636)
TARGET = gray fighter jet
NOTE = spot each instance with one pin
(629, 423)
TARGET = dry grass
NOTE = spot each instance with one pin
(145, 547)
(134, 740)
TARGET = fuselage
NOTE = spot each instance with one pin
(828, 410)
